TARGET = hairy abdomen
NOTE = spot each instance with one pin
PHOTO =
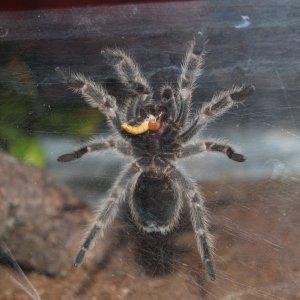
(154, 204)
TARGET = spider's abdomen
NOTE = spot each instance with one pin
(153, 204)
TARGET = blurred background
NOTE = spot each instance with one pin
(254, 205)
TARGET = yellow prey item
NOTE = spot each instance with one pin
(149, 124)
(135, 130)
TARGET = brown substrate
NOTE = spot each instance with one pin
(257, 250)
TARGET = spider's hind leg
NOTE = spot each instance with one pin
(199, 221)
(108, 211)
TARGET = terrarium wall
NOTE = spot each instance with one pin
(254, 206)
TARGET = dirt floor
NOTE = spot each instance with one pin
(257, 250)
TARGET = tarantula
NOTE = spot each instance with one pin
(155, 133)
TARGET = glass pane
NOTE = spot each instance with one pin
(148, 249)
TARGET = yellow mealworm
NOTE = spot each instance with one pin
(150, 124)
(135, 130)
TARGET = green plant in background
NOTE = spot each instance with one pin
(80, 122)
(23, 118)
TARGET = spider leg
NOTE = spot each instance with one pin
(193, 149)
(199, 220)
(226, 149)
(123, 147)
(191, 70)
(168, 100)
(128, 71)
(223, 101)
(220, 103)
(94, 94)
(133, 108)
(108, 210)
(191, 131)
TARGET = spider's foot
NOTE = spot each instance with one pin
(74, 155)
(245, 92)
(237, 157)
(200, 44)
(79, 258)
(211, 271)
(67, 157)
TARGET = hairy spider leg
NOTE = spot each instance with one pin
(210, 146)
(226, 149)
(219, 104)
(199, 220)
(198, 217)
(191, 70)
(128, 71)
(168, 99)
(95, 95)
(132, 109)
(131, 76)
(119, 145)
(108, 211)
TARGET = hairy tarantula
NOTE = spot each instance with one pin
(155, 133)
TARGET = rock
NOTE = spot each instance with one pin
(40, 222)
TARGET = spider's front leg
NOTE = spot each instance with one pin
(196, 148)
(94, 94)
(219, 104)
(199, 219)
(131, 76)
(168, 100)
(191, 70)
(223, 101)
(128, 71)
(121, 146)
(109, 209)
